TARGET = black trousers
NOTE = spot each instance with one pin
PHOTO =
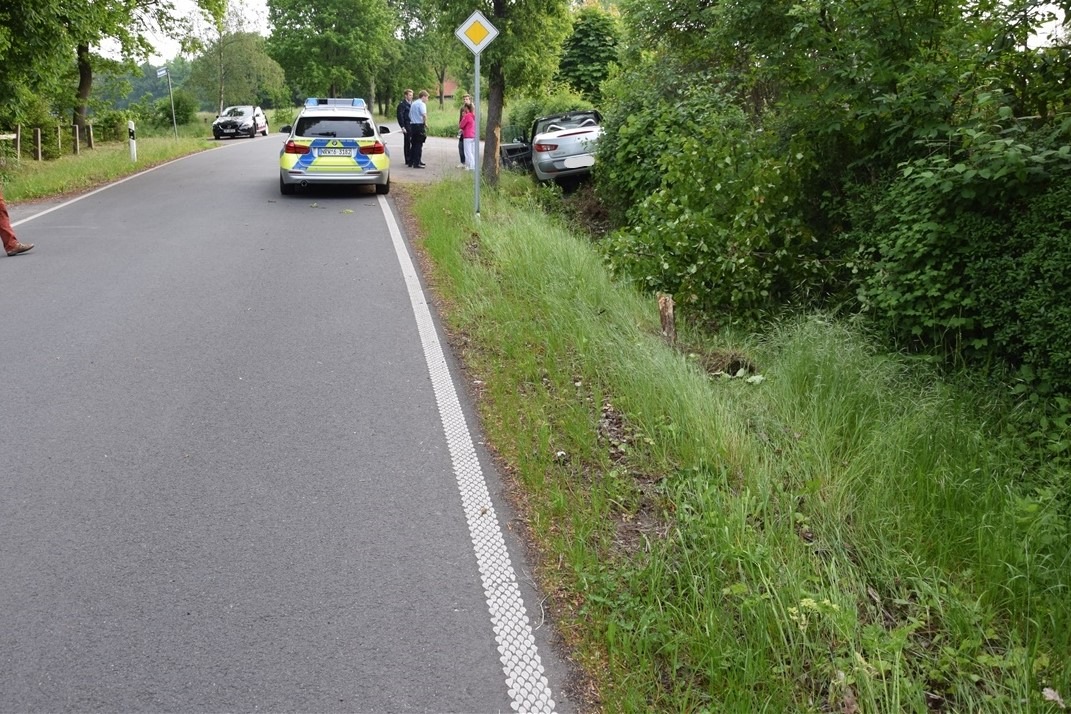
(407, 145)
(461, 148)
(420, 135)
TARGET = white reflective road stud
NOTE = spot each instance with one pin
(525, 681)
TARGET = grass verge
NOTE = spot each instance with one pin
(92, 167)
(786, 522)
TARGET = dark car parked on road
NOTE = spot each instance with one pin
(240, 120)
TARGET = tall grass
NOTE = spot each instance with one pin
(783, 522)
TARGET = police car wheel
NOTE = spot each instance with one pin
(383, 188)
(287, 189)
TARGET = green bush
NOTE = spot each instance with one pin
(524, 111)
(968, 254)
(185, 104)
(711, 208)
(1024, 290)
(111, 124)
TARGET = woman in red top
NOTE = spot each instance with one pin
(467, 125)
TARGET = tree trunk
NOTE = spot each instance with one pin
(85, 85)
(493, 136)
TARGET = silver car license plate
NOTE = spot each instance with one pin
(336, 152)
(576, 162)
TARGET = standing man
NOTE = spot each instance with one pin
(466, 101)
(403, 123)
(7, 234)
(418, 127)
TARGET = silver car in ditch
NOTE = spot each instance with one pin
(563, 145)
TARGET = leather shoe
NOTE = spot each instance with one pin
(20, 248)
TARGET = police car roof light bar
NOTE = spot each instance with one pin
(336, 102)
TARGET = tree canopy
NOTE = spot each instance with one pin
(236, 69)
(590, 51)
(331, 47)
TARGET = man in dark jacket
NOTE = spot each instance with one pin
(403, 123)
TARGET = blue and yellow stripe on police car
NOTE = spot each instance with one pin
(315, 163)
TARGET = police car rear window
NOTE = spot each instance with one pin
(340, 127)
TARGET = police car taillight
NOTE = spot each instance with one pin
(544, 147)
(376, 148)
(295, 148)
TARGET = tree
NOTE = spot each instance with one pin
(126, 22)
(410, 58)
(236, 69)
(524, 56)
(590, 51)
(331, 46)
(36, 48)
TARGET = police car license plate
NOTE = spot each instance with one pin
(336, 152)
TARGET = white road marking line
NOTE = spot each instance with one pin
(525, 681)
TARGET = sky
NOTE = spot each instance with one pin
(254, 12)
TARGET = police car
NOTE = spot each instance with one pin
(334, 141)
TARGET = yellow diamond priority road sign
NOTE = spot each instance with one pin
(476, 32)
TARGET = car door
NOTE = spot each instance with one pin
(516, 154)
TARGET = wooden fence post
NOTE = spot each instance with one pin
(76, 135)
(59, 139)
(89, 135)
(37, 143)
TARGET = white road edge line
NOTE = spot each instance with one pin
(525, 680)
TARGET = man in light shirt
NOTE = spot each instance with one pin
(418, 127)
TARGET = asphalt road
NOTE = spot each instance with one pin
(236, 472)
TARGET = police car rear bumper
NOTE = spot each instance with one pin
(317, 178)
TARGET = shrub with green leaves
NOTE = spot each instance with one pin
(970, 252)
(711, 209)
(185, 107)
(523, 112)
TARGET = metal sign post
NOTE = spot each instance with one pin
(160, 73)
(476, 33)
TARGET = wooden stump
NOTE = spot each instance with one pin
(669, 325)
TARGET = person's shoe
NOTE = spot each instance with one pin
(422, 164)
(461, 166)
(20, 248)
(418, 166)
